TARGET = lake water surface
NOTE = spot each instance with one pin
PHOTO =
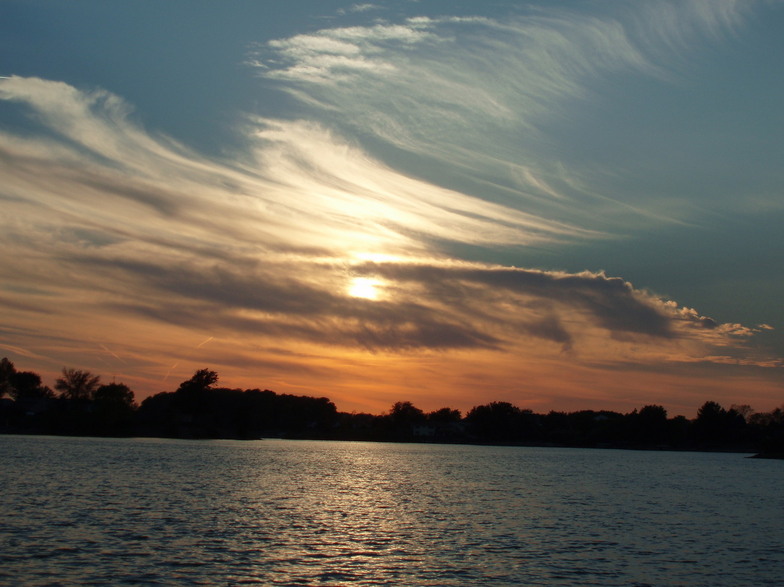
(273, 512)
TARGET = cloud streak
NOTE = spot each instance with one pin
(412, 139)
(267, 246)
(474, 96)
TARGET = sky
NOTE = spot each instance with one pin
(563, 205)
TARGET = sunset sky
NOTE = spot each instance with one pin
(564, 205)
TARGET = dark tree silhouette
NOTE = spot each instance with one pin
(114, 394)
(745, 411)
(770, 427)
(6, 372)
(678, 431)
(199, 409)
(497, 421)
(444, 416)
(406, 413)
(27, 385)
(76, 384)
(716, 426)
(402, 420)
(650, 425)
(113, 409)
(202, 380)
(21, 385)
(653, 413)
(711, 413)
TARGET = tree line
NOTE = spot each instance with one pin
(81, 404)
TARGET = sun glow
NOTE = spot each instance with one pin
(377, 257)
(364, 287)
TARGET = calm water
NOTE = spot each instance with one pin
(151, 511)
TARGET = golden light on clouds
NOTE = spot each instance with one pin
(364, 287)
(433, 228)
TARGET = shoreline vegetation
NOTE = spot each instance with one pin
(81, 405)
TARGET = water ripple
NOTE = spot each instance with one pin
(165, 512)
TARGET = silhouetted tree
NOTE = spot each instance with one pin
(770, 427)
(496, 421)
(653, 413)
(444, 416)
(764, 419)
(114, 394)
(402, 419)
(557, 428)
(650, 425)
(199, 409)
(6, 372)
(113, 409)
(21, 385)
(716, 426)
(202, 380)
(406, 413)
(709, 422)
(710, 413)
(678, 431)
(735, 430)
(77, 385)
(745, 411)
(156, 415)
(26, 385)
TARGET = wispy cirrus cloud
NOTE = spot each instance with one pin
(268, 245)
(473, 95)
(294, 169)
(414, 138)
(360, 7)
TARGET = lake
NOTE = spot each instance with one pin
(275, 512)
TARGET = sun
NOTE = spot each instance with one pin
(364, 287)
